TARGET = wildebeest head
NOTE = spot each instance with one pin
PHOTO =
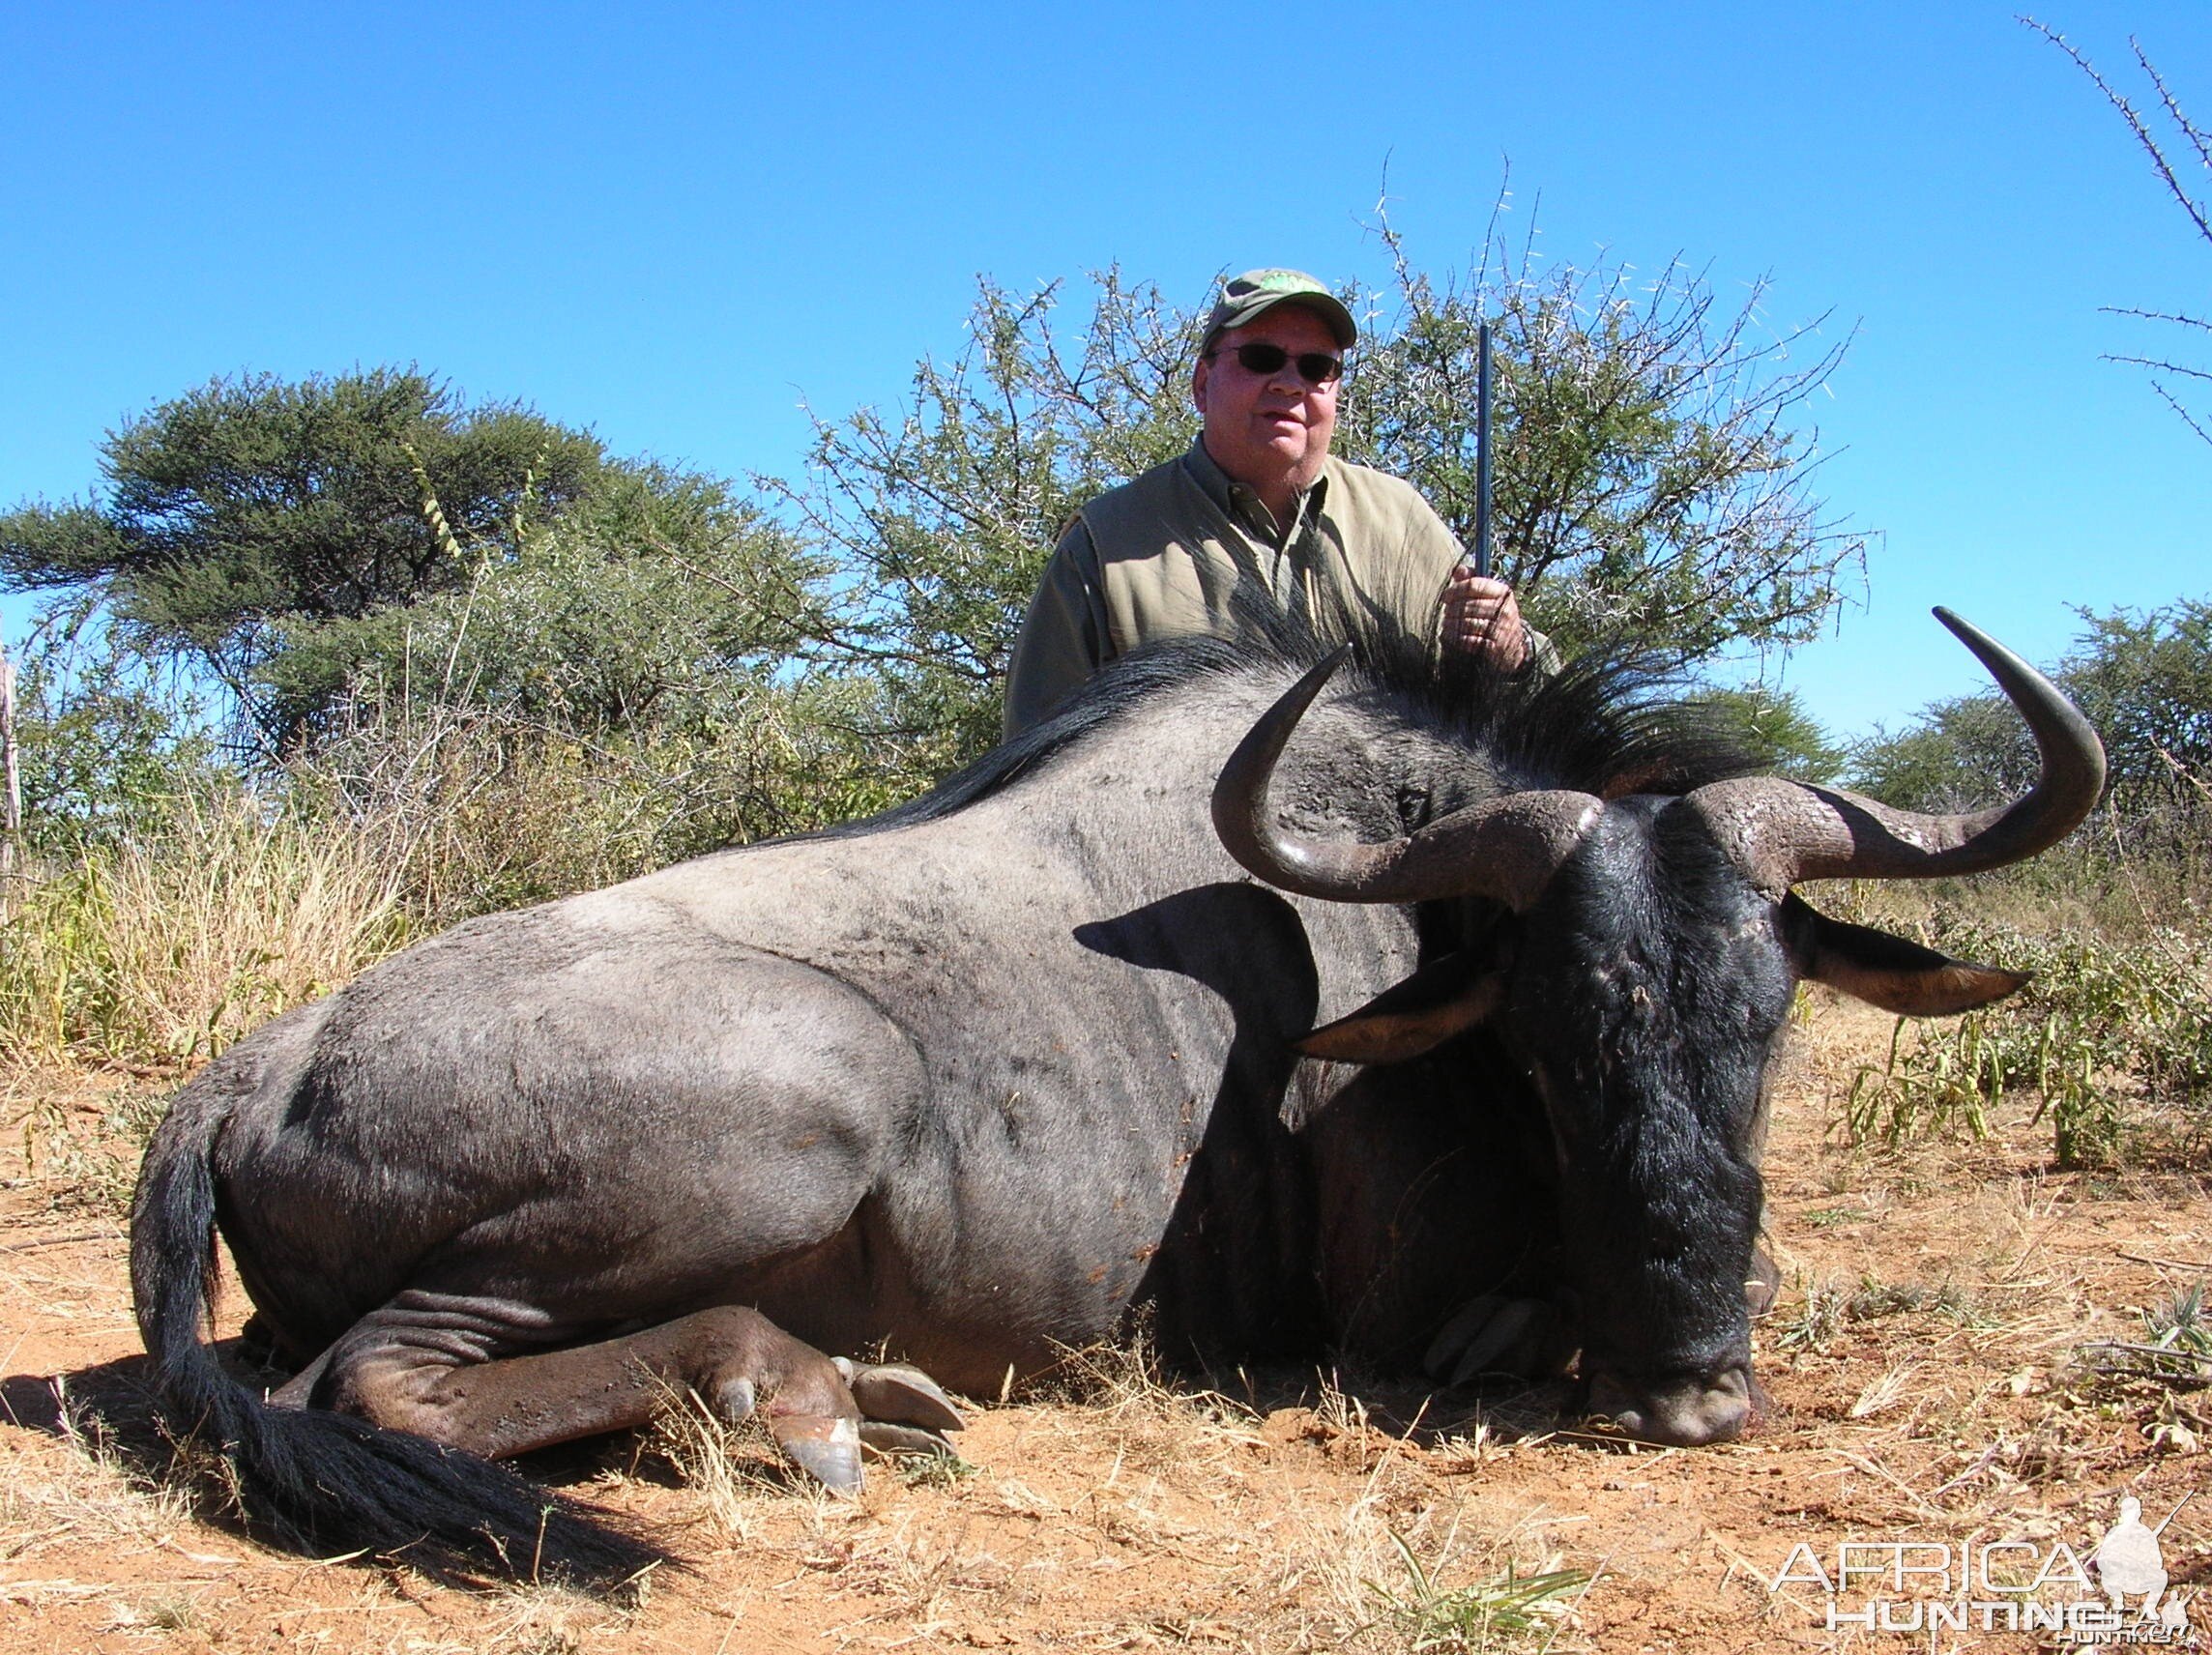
(1646, 967)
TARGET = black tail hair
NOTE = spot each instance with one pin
(324, 1483)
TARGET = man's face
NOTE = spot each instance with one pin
(1266, 430)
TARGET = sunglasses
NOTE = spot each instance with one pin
(1315, 367)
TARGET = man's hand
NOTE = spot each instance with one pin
(1480, 614)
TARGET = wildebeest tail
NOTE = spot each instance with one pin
(327, 1483)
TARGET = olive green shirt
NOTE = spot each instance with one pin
(1183, 548)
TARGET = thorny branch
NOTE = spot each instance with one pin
(2200, 213)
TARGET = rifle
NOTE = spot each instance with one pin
(1482, 451)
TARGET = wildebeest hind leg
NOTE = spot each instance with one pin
(423, 1363)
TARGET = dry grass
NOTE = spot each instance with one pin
(164, 951)
(735, 1470)
(2095, 885)
(493, 808)
(1130, 1512)
(79, 1490)
(1397, 1568)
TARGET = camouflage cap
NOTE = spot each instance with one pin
(1244, 298)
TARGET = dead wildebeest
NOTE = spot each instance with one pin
(971, 1082)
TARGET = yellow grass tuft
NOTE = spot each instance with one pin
(161, 953)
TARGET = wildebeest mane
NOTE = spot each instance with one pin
(1612, 720)
(1120, 685)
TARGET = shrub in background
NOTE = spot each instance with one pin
(2106, 1032)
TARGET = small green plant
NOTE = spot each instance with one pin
(1876, 1299)
(2175, 1349)
(1828, 1217)
(1940, 1083)
(932, 1471)
(2099, 1025)
(2181, 1322)
(1488, 1614)
(1817, 1322)
(91, 1162)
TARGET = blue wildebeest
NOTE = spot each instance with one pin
(970, 1081)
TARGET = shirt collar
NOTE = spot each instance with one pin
(1243, 506)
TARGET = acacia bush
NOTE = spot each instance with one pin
(251, 501)
(941, 513)
(1653, 471)
(1652, 468)
(108, 745)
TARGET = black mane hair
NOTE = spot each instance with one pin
(1611, 721)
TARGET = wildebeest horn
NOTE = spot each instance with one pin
(1504, 848)
(1779, 833)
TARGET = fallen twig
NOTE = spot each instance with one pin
(2182, 1370)
(1982, 1463)
(2162, 1264)
(61, 1240)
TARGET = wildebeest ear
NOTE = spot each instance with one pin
(1428, 1008)
(1887, 971)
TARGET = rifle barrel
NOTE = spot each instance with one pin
(1482, 451)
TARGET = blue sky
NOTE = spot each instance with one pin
(674, 223)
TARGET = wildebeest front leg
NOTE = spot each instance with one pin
(422, 1364)
(1528, 1338)
(1499, 1333)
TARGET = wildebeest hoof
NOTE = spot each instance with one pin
(1685, 1412)
(883, 1441)
(734, 1400)
(897, 1394)
(1495, 1335)
(825, 1448)
(1763, 1285)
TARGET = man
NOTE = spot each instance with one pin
(1256, 511)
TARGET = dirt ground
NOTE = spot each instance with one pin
(1922, 1364)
